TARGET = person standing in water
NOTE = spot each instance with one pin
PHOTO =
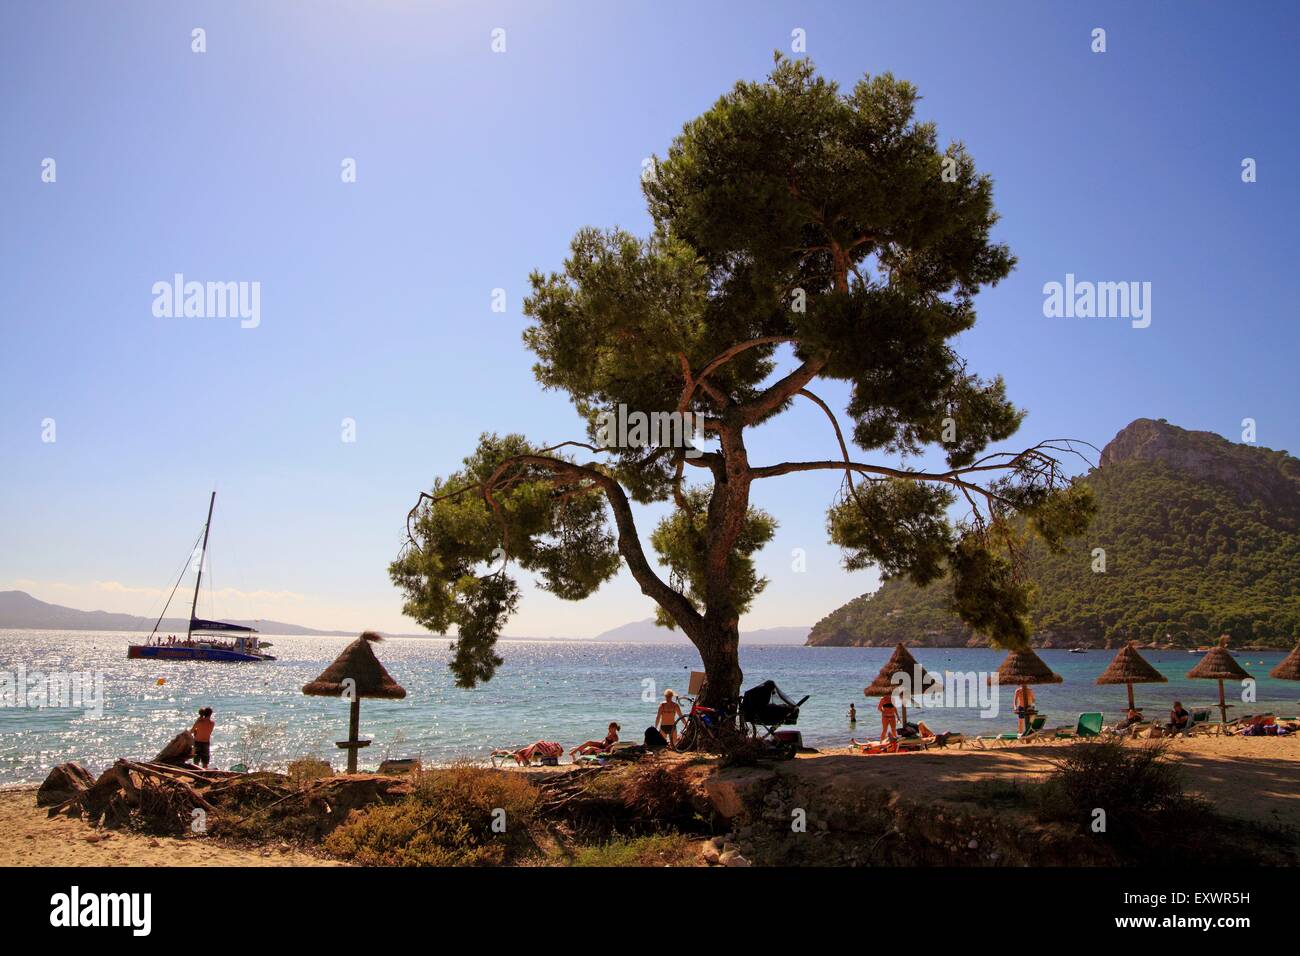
(853, 715)
(202, 731)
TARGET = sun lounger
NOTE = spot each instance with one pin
(1031, 733)
(1088, 725)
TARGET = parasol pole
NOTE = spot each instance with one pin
(354, 733)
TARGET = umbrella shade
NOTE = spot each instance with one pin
(1024, 667)
(1130, 667)
(359, 664)
(1289, 669)
(1218, 664)
(902, 662)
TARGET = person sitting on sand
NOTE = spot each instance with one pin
(1178, 718)
(598, 746)
(202, 731)
(666, 717)
(888, 718)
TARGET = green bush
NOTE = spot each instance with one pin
(657, 850)
(447, 821)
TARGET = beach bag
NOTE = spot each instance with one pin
(654, 740)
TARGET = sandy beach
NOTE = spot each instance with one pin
(32, 839)
(1254, 778)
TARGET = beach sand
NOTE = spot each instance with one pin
(1253, 778)
(31, 839)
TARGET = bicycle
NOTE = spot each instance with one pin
(702, 728)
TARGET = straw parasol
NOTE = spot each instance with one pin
(901, 662)
(1219, 665)
(1024, 667)
(356, 673)
(1289, 669)
(1129, 667)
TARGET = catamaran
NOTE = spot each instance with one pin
(203, 639)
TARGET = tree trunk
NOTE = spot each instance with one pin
(719, 648)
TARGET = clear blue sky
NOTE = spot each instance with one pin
(476, 167)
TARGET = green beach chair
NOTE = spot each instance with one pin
(1035, 725)
(1088, 725)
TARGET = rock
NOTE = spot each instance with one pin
(973, 845)
(63, 783)
(710, 853)
(733, 858)
(94, 837)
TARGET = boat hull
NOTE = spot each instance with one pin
(172, 653)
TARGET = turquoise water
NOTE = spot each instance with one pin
(566, 691)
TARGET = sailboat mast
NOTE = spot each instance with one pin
(189, 631)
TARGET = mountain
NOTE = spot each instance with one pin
(647, 632)
(18, 609)
(1201, 537)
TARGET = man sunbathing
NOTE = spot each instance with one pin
(598, 746)
(1134, 716)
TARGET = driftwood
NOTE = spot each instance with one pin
(64, 782)
(155, 796)
(178, 750)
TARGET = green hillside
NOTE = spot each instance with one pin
(1201, 537)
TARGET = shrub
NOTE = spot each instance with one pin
(447, 821)
(308, 769)
(656, 850)
(659, 792)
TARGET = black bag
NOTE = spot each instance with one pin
(655, 740)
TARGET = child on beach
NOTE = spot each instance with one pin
(202, 731)
(598, 746)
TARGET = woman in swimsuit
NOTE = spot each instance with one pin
(666, 717)
(598, 746)
(888, 718)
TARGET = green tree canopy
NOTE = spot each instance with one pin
(790, 215)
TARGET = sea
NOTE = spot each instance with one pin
(567, 691)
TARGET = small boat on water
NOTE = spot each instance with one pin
(1078, 650)
(204, 640)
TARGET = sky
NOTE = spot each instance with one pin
(474, 167)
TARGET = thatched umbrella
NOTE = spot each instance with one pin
(1024, 667)
(902, 662)
(356, 673)
(1289, 669)
(1129, 667)
(1219, 665)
